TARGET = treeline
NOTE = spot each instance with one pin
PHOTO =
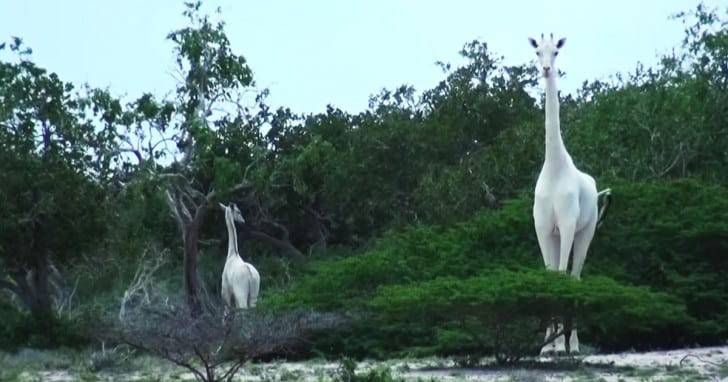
(399, 217)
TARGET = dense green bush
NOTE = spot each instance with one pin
(673, 237)
(21, 329)
(648, 240)
(12, 319)
(417, 253)
(505, 313)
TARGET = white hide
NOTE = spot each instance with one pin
(240, 280)
(565, 210)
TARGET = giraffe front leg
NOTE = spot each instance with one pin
(581, 244)
(548, 243)
(574, 340)
(567, 228)
(567, 213)
(559, 342)
(550, 347)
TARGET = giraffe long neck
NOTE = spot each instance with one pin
(555, 150)
(232, 236)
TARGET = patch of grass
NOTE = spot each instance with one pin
(684, 374)
(290, 375)
(88, 376)
(347, 373)
(723, 370)
(27, 377)
(642, 373)
(10, 374)
(256, 369)
(113, 358)
(586, 350)
(526, 376)
(41, 359)
(584, 374)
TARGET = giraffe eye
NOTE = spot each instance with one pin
(556, 54)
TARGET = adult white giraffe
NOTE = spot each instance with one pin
(565, 209)
(240, 280)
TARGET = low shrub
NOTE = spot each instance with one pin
(20, 329)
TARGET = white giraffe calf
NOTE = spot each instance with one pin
(240, 280)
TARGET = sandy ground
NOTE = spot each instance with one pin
(710, 363)
(698, 364)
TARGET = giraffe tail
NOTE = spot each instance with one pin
(607, 193)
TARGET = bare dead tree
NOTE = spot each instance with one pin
(211, 348)
(141, 287)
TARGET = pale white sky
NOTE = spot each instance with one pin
(319, 52)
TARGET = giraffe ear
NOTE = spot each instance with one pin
(533, 42)
(222, 206)
(560, 43)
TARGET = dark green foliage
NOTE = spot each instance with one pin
(391, 165)
(648, 240)
(501, 237)
(54, 164)
(505, 313)
(21, 329)
(9, 333)
(672, 236)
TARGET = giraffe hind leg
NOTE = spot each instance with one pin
(582, 239)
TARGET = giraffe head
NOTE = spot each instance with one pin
(234, 212)
(547, 50)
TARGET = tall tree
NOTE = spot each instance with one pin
(54, 162)
(218, 137)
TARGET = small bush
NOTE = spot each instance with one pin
(347, 373)
(10, 330)
(20, 329)
(109, 358)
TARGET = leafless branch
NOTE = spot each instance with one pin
(673, 164)
(151, 260)
(244, 185)
(173, 203)
(174, 177)
(699, 359)
(4, 284)
(136, 153)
